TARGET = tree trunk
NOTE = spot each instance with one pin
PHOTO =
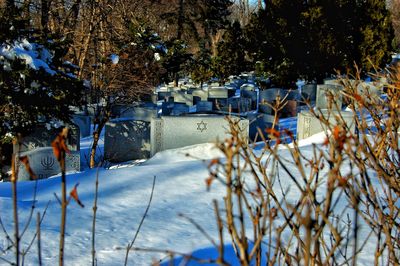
(86, 42)
(45, 16)
(96, 138)
(181, 18)
(215, 39)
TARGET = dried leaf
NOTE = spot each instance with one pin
(74, 195)
(213, 162)
(342, 182)
(25, 161)
(59, 144)
(209, 181)
(272, 131)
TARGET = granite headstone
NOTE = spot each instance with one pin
(170, 132)
(44, 164)
(126, 139)
(308, 124)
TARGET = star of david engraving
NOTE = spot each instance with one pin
(202, 126)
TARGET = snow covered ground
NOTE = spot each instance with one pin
(124, 192)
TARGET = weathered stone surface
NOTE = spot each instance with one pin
(259, 122)
(44, 164)
(162, 95)
(182, 97)
(270, 95)
(328, 94)
(179, 109)
(126, 139)
(252, 95)
(140, 113)
(308, 124)
(174, 132)
(202, 94)
(43, 137)
(369, 89)
(84, 124)
(239, 104)
(204, 106)
(309, 93)
(217, 93)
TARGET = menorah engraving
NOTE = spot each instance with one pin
(47, 162)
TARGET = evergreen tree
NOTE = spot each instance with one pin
(231, 53)
(36, 83)
(312, 39)
(376, 34)
(214, 18)
(201, 66)
(177, 60)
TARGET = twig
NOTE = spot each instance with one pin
(201, 229)
(32, 209)
(34, 236)
(130, 245)
(39, 249)
(94, 261)
(14, 178)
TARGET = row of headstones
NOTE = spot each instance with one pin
(137, 120)
(308, 124)
(251, 98)
(323, 97)
(201, 100)
(130, 139)
(142, 134)
(125, 139)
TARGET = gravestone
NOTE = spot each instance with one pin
(292, 98)
(44, 164)
(369, 89)
(309, 93)
(264, 108)
(217, 93)
(270, 95)
(191, 89)
(232, 89)
(252, 95)
(182, 97)
(166, 108)
(118, 109)
(162, 95)
(327, 94)
(308, 124)
(43, 137)
(199, 94)
(140, 113)
(179, 109)
(219, 97)
(239, 104)
(332, 81)
(126, 139)
(259, 122)
(170, 132)
(248, 87)
(204, 106)
(84, 124)
(267, 98)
